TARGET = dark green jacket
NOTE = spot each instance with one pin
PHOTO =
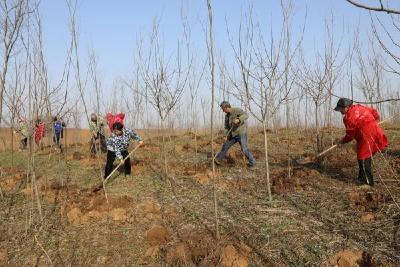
(236, 129)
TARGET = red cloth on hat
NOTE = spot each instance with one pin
(362, 124)
(39, 132)
(111, 119)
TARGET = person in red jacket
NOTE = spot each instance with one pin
(361, 124)
(39, 132)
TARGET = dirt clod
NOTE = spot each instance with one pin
(74, 216)
(119, 214)
(230, 257)
(350, 258)
(203, 178)
(366, 200)
(152, 252)
(3, 255)
(158, 235)
(178, 254)
(366, 218)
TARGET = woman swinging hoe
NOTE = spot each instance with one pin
(361, 124)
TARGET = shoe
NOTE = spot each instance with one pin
(217, 162)
(128, 176)
(251, 165)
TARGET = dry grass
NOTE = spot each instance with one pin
(153, 220)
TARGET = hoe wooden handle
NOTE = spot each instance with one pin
(326, 151)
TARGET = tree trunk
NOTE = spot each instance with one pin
(266, 159)
(212, 66)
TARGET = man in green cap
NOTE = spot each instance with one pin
(235, 131)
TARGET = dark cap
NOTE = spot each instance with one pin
(225, 104)
(342, 103)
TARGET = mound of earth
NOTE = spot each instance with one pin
(158, 235)
(10, 182)
(350, 258)
(366, 200)
(297, 182)
(85, 209)
(148, 211)
(231, 257)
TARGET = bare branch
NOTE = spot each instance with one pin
(381, 8)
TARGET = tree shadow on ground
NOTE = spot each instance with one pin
(331, 171)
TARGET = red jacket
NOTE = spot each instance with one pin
(362, 124)
(40, 129)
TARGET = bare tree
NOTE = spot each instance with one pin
(266, 71)
(12, 16)
(379, 7)
(165, 78)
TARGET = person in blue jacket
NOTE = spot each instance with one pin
(58, 127)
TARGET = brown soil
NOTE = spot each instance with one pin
(139, 166)
(10, 182)
(205, 178)
(148, 147)
(297, 182)
(350, 258)
(77, 155)
(230, 257)
(148, 211)
(85, 208)
(199, 243)
(152, 252)
(367, 218)
(183, 148)
(158, 235)
(366, 200)
(178, 254)
(3, 256)
(177, 237)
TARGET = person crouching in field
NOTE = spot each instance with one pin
(58, 126)
(235, 131)
(117, 146)
(361, 124)
(39, 132)
(96, 127)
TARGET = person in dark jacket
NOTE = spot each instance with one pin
(361, 124)
(117, 147)
(58, 127)
(235, 132)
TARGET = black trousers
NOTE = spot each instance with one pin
(110, 161)
(56, 140)
(24, 143)
(365, 171)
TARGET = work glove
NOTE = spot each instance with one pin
(339, 142)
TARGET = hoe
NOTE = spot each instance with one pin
(313, 159)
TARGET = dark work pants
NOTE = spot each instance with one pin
(110, 161)
(56, 139)
(365, 171)
(24, 143)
